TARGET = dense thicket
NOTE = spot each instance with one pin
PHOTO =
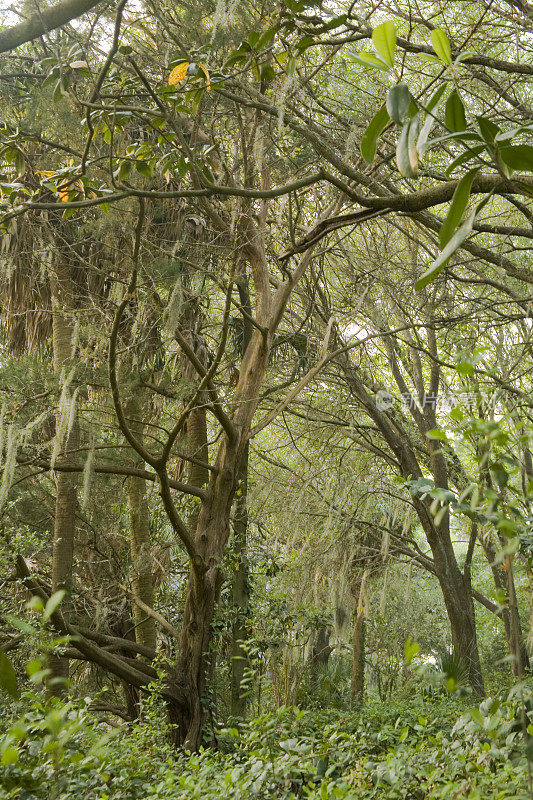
(265, 433)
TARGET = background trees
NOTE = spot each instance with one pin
(278, 260)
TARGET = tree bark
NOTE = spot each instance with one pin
(358, 646)
(503, 578)
(240, 593)
(44, 21)
(140, 540)
(457, 596)
(319, 657)
(66, 483)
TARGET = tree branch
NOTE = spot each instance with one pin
(44, 21)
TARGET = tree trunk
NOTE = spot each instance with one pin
(141, 559)
(358, 647)
(319, 657)
(457, 596)
(66, 483)
(520, 658)
(140, 540)
(504, 582)
(240, 593)
(240, 589)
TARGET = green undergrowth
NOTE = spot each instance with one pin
(424, 748)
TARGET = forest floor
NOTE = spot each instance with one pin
(437, 747)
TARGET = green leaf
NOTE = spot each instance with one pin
(370, 60)
(52, 604)
(435, 98)
(384, 40)
(457, 207)
(410, 650)
(305, 42)
(465, 368)
(518, 157)
(429, 57)
(441, 45)
(488, 129)
(398, 102)
(464, 158)
(454, 114)
(432, 103)
(124, 170)
(441, 261)
(436, 434)
(406, 155)
(369, 141)
(500, 475)
(266, 37)
(463, 56)
(8, 678)
(9, 755)
(144, 168)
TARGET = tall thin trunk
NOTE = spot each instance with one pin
(240, 593)
(319, 657)
(520, 659)
(457, 596)
(66, 483)
(241, 582)
(503, 577)
(358, 646)
(140, 538)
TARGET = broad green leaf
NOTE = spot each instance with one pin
(384, 40)
(305, 42)
(464, 56)
(518, 157)
(430, 119)
(21, 625)
(52, 604)
(369, 141)
(457, 239)
(335, 22)
(144, 168)
(441, 45)
(435, 98)
(464, 158)
(410, 650)
(443, 257)
(457, 207)
(266, 37)
(436, 434)
(488, 129)
(398, 102)
(458, 136)
(370, 60)
(35, 604)
(9, 755)
(477, 716)
(8, 678)
(406, 155)
(429, 57)
(465, 368)
(505, 135)
(454, 115)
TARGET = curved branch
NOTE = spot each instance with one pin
(116, 469)
(43, 22)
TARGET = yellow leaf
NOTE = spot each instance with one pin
(178, 73)
(206, 73)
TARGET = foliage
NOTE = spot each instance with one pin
(413, 749)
